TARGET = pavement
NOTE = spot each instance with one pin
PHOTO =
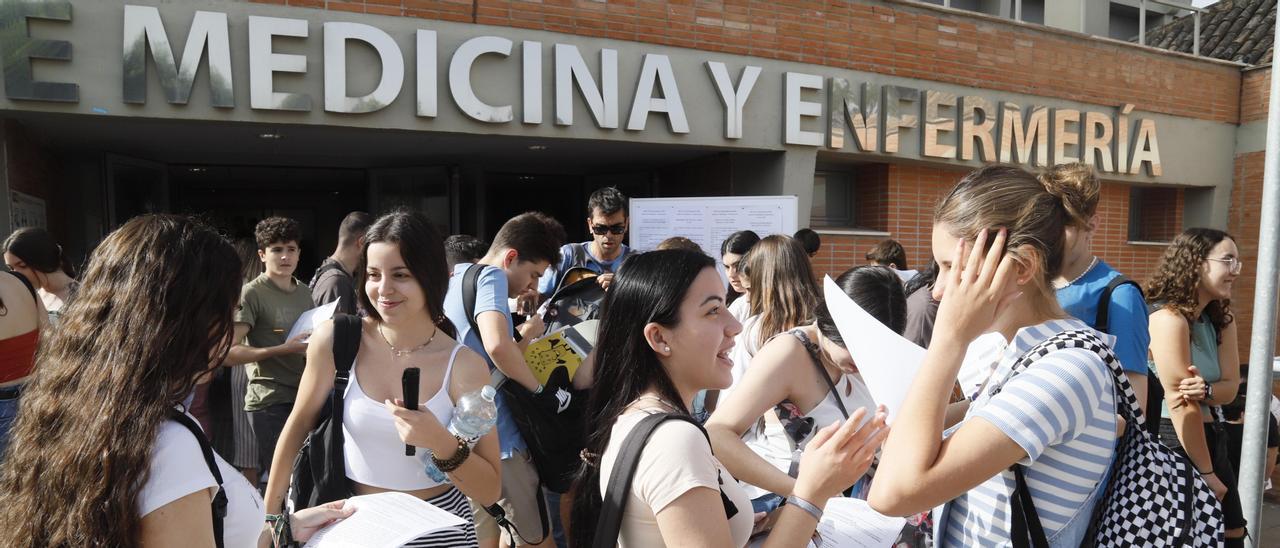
(1270, 534)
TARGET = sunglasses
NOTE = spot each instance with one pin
(601, 230)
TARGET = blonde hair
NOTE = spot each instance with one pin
(783, 291)
(1077, 185)
(1034, 210)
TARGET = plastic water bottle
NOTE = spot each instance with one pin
(473, 416)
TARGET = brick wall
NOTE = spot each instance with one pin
(914, 191)
(1244, 221)
(881, 37)
(1255, 87)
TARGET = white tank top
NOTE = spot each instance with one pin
(372, 448)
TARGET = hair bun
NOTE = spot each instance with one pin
(1076, 185)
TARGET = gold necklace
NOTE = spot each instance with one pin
(402, 353)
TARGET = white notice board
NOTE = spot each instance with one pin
(708, 221)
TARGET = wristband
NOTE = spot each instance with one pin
(452, 463)
(805, 505)
(1208, 391)
(1209, 473)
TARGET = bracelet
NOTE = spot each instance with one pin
(1209, 473)
(805, 505)
(452, 463)
(281, 529)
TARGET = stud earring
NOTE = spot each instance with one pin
(666, 349)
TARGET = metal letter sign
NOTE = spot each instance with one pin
(336, 36)
(19, 48)
(264, 63)
(464, 93)
(656, 71)
(142, 26)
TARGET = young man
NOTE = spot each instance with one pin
(269, 305)
(891, 254)
(607, 220)
(521, 251)
(333, 279)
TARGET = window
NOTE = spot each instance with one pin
(832, 200)
(1153, 214)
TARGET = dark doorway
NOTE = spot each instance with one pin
(235, 198)
(560, 196)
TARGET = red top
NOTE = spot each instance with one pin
(18, 355)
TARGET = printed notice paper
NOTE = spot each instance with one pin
(851, 523)
(886, 360)
(384, 520)
(308, 320)
(889, 362)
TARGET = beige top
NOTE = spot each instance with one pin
(676, 458)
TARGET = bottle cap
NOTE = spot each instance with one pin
(488, 392)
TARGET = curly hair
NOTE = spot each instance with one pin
(1177, 278)
(155, 309)
(276, 230)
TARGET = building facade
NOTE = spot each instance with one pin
(474, 110)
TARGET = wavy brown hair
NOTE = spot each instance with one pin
(1176, 280)
(154, 310)
(783, 290)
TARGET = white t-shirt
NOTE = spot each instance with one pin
(178, 469)
(676, 458)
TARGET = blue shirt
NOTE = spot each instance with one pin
(1127, 314)
(491, 296)
(551, 278)
(1061, 410)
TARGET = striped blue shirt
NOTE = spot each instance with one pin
(1061, 411)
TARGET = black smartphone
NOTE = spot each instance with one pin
(409, 383)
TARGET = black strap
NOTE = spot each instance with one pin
(470, 279)
(615, 498)
(30, 288)
(346, 344)
(219, 504)
(1102, 323)
(579, 257)
(816, 358)
(325, 267)
(1026, 530)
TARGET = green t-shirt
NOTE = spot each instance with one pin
(270, 313)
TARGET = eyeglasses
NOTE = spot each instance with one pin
(601, 230)
(1233, 263)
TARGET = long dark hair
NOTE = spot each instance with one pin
(1176, 280)
(878, 290)
(648, 289)
(37, 247)
(738, 243)
(924, 278)
(155, 310)
(783, 291)
(422, 248)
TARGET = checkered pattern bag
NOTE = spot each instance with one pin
(1154, 497)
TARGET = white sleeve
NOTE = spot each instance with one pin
(177, 469)
(675, 459)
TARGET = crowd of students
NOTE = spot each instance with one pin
(715, 411)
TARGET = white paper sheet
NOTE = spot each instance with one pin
(308, 320)
(887, 361)
(851, 523)
(384, 520)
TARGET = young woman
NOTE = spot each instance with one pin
(21, 317)
(1193, 337)
(672, 341)
(98, 457)
(1057, 417)
(807, 377)
(402, 273)
(33, 253)
(734, 248)
(783, 296)
(1085, 277)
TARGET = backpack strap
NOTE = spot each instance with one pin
(579, 256)
(1025, 530)
(219, 504)
(30, 288)
(327, 266)
(470, 283)
(609, 524)
(346, 344)
(813, 351)
(1102, 323)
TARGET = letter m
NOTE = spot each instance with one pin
(144, 31)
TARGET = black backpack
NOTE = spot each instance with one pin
(554, 439)
(319, 470)
(219, 504)
(1155, 392)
